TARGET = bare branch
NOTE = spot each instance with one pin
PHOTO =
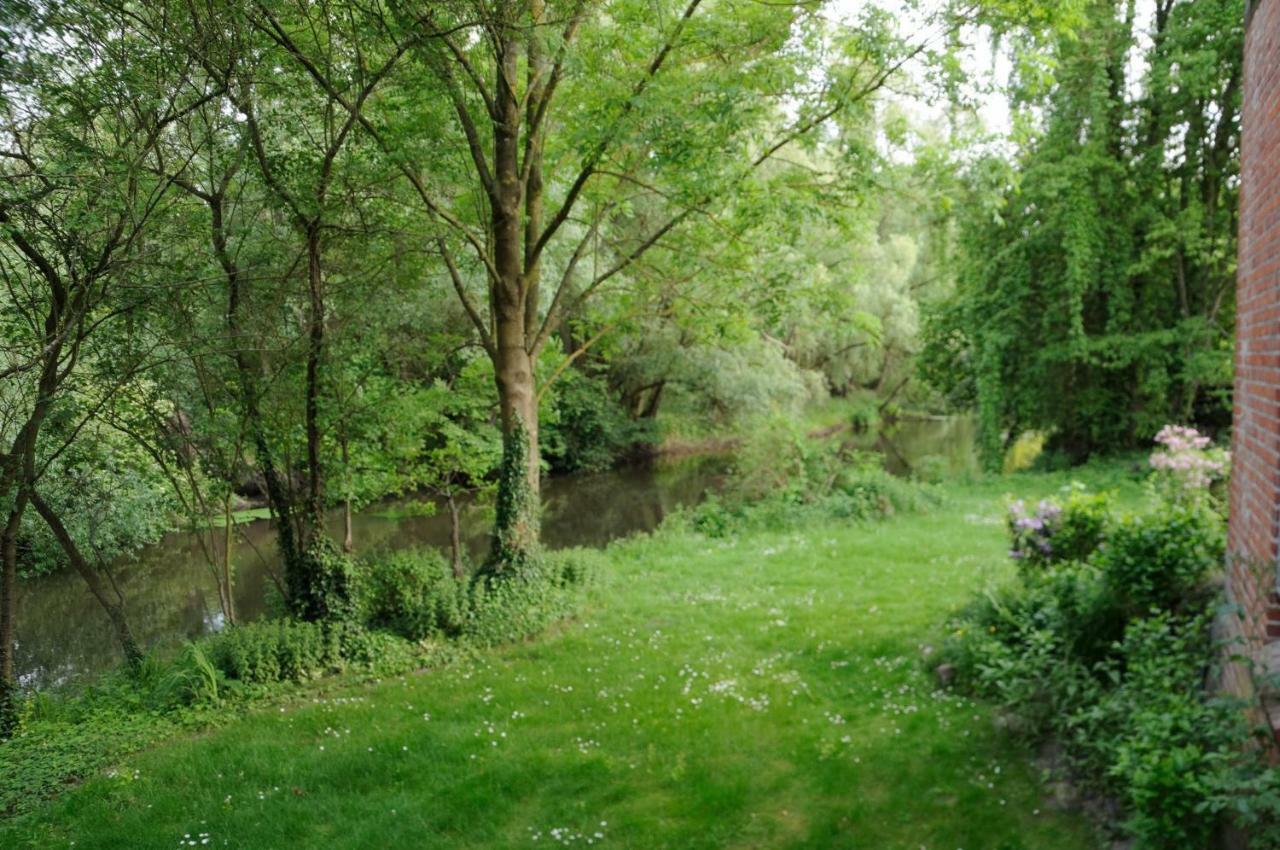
(459, 287)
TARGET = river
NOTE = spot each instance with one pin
(62, 635)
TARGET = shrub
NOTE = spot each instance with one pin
(586, 429)
(784, 479)
(384, 653)
(863, 489)
(411, 593)
(1161, 559)
(511, 609)
(713, 518)
(1104, 643)
(276, 651)
(570, 568)
(1187, 465)
(1160, 742)
(414, 594)
(1058, 531)
(1010, 646)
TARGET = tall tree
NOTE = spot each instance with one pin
(1095, 291)
(77, 202)
(567, 115)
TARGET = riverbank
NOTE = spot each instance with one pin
(63, 638)
(764, 690)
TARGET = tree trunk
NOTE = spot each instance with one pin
(248, 370)
(455, 537)
(228, 540)
(650, 410)
(315, 350)
(114, 608)
(516, 529)
(517, 526)
(8, 612)
(537, 78)
(348, 532)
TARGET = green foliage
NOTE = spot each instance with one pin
(781, 477)
(319, 582)
(1104, 644)
(192, 679)
(111, 496)
(518, 510)
(587, 429)
(40, 761)
(1162, 745)
(674, 605)
(1094, 299)
(506, 610)
(1161, 560)
(573, 568)
(1059, 531)
(276, 651)
(411, 601)
(411, 593)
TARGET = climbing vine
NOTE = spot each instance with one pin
(517, 509)
(1095, 272)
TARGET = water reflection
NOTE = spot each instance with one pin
(62, 634)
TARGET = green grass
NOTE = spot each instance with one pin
(759, 693)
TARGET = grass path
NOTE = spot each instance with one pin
(758, 693)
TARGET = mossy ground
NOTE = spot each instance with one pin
(765, 691)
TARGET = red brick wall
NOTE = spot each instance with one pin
(1255, 474)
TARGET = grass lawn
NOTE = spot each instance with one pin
(763, 692)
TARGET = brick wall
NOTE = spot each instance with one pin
(1255, 485)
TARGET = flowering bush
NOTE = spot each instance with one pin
(1055, 531)
(1032, 533)
(1186, 464)
(1104, 647)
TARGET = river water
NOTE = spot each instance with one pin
(62, 635)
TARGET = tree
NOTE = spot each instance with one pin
(76, 202)
(569, 117)
(1095, 286)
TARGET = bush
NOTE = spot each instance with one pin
(1161, 559)
(572, 568)
(412, 594)
(514, 609)
(276, 651)
(586, 429)
(864, 489)
(1104, 643)
(1010, 646)
(1160, 742)
(385, 653)
(1058, 531)
(782, 478)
